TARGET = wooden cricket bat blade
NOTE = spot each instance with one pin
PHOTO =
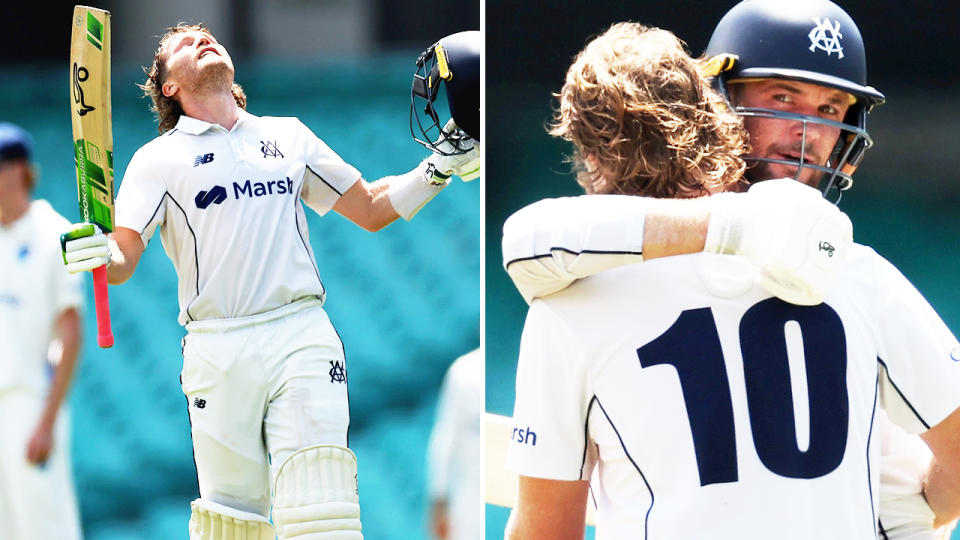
(91, 116)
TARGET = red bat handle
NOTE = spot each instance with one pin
(104, 333)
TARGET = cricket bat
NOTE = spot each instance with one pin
(501, 484)
(93, 137)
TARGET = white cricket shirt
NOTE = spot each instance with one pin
(708, 409)
(35, 288)
(228, 204)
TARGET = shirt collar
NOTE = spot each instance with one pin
(193, 126)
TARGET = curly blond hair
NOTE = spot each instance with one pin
(168, 109)
(643, 121)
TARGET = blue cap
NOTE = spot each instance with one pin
(14, 142)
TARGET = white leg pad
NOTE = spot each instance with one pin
(212, 521)
(316, 495)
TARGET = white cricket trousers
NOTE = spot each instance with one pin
(36, 502)
(258, 389)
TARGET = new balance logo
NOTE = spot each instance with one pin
(202, 158)
(215, 196)
(199, 403)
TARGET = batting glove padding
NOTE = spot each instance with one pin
(796, 238)
(84, 247)
(465, 165)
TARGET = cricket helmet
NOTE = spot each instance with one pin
(813, 41)
(453, 63)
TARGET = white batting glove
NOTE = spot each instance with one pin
(796, 238)
(84, 247)
(466, 165)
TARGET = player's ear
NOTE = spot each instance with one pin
(169, 88)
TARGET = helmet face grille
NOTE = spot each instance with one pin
(814, 42)
(836, 175)
(453, 63)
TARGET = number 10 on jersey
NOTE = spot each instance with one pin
(692, 346)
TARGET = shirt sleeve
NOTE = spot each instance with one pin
(327, 176)
(552, 243)
(141, 199)
(918, 355)
(553, 395)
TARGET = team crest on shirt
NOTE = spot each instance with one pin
(23, 252)
(826, 37)
(337, 372)
(269, 149)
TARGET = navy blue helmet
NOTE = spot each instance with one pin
(811, 41)
(454, 64)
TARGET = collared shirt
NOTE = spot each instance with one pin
(35, 288)
(700, 407)
(228, 204)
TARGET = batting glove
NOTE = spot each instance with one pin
(796, 238)
(465, 165)
(84, 247)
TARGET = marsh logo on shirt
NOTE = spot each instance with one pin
(216, 195)
(247, 189)
(524, 436)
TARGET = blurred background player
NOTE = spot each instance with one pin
(454, 456)
(40, 332)
(564, 384)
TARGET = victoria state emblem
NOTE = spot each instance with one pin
(826, 37)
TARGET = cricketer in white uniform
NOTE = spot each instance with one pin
(554, 242)
(37, 500)
(454, 453)
(712, 410)
(264, 370)
(564, 240)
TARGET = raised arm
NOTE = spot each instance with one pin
(85, 248)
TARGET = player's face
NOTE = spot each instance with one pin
(784, 139)
(11, 179)
(195, 61)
